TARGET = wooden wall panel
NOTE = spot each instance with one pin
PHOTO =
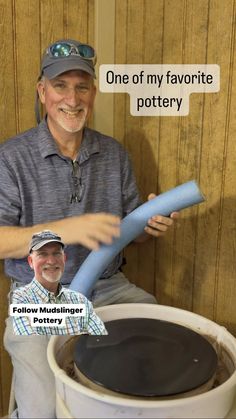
(7, 75)
(7, 128)
(194, 46)
(150, 128)
(104, 26)
(193, 266)
(26, 60)
(52, 19)
(189, 152)
(76, 28)
(213, 158)
(226, 267)
(133, 125)
(120, 57)
(167, 162)
(180, 143)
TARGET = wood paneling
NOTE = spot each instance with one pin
(104, 32)
(213, 159)
(26, 43)
(193, 266)
(226, 268)
(8, 109)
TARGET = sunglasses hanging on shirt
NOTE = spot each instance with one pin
(78, 187)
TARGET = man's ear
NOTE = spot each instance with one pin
(41, 91)
(94, 92)
(30, 261)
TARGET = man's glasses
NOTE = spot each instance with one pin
(65, 49)
(78, 187)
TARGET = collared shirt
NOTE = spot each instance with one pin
(35, 293)
(37, 184)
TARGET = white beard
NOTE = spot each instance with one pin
(76, 126)
(52, 278)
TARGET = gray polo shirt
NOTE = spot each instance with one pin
(37, 185)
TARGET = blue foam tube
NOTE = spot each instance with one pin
(132, 226)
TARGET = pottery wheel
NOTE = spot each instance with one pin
(146, 357)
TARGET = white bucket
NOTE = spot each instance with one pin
(74, 400)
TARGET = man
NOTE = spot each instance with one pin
(47, 259)
(64, 177)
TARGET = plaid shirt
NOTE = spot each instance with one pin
(35, 293)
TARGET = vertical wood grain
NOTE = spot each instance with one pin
(27, 58)
(213, 158)
(194, 50)
(51, 21)
(120, 57)
(134, 135)
(76, 20)
(226, 268)
(189, 264)
(169, 136)
(104, 45)
(190, 143)
(8, 127)
(149, 151)
(7, 69)
(91, 21)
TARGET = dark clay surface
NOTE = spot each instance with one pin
(146, 357)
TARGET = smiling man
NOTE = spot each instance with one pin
(64, 177)
(47, 259)
(69, 115)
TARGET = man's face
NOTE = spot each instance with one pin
(68, 100)
(48, 264)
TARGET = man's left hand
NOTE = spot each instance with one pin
(158, 224)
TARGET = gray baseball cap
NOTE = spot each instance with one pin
(65, 55)
(44, 237)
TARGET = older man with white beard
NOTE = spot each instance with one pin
(47, 259)
(65, 177)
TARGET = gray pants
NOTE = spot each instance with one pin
(34, 384)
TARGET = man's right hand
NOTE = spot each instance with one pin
(90, 230)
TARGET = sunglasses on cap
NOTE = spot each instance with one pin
(66, 49)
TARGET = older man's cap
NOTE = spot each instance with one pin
(65, 55)
(44, 237)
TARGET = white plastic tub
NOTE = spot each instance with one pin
(77, 401)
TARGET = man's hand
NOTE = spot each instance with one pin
(90, 230)
(158, 224)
